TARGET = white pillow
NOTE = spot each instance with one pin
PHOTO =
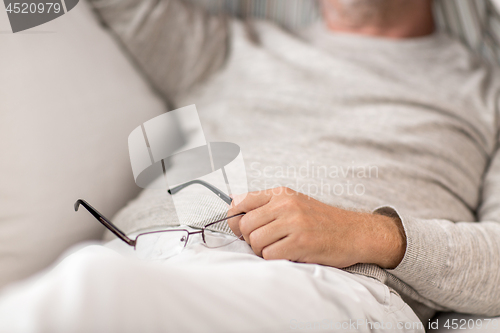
(69, 97)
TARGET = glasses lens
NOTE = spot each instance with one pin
(160, 244)
(216, 234)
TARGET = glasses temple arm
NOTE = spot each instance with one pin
(107, 223)
(224, 219)
(212, 188)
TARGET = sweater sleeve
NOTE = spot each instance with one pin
(457, 264)
(175, 43)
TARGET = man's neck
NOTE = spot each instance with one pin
(389, 18)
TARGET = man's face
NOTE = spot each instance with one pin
(360, 12)
(389, 18)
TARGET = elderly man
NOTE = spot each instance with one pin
(395, 128)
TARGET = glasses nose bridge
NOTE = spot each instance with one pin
(194, 233)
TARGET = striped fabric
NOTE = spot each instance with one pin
(290, 14)
(475, 22)
(198, 209)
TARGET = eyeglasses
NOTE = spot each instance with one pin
(163, 244)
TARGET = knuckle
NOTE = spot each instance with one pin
(233, 222)
(244, 225)
(254, 239)
(287, 192)
(299, 216)
(286, 203)
(302, 241)
(268, 253)
(243, 229)
(278, 191)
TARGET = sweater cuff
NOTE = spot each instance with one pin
(427, 250)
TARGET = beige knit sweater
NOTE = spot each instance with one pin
(353, 121)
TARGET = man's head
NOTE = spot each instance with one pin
(386, 18)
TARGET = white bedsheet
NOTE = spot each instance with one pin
(105, 289)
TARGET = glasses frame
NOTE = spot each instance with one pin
(132, 242)
(227, 199)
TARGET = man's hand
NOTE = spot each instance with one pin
(284, 224)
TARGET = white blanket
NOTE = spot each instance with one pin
(105, 289)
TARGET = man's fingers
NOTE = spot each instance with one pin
(258, 213)
(254, 220)
(281, 249)
(252, 201)
(234, 224)
(244, 225)
(266, 235)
